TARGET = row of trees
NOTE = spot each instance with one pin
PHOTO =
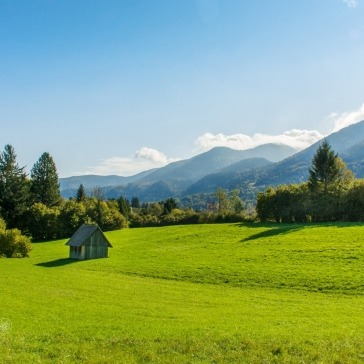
(330, 194)
(226, 207)
(18, 192)
(35, 206)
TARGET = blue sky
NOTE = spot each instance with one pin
(116, 87)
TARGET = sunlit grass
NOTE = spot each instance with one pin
(191, 294)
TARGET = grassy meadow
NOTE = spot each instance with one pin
(230, 293)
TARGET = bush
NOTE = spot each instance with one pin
(2, 225)
(13, 244)
(180, 217)
(43, 222)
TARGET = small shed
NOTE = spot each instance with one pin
(88, 242)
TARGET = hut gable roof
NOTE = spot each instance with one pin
(84, 233)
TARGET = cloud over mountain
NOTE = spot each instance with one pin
(148, 158)
(295, 138)
(347, 118)
(143, 159)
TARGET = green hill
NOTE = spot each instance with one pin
(190, 294)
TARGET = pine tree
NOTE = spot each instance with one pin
(328, 179)
(14, 188)
(124, 206)
(81, 193)
(135, 202)
(324, 168)
(44, 181)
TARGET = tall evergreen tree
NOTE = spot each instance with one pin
(324, 169)
(14, 188)
(81, 193)
(169, 205)
(44, 181)
(135, 202)
(124, 206)
(328, 179)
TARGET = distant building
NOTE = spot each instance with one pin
(88, 242)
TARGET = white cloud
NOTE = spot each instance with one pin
(295, 138)
(347, 118)
(351, 3)
(143, 160)
(152, 155)
(147, 158)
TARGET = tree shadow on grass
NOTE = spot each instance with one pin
(277, 230)
(57, 263)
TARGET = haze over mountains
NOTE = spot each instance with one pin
(248, 170)
(177, 176)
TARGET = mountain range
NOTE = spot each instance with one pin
(249, 171)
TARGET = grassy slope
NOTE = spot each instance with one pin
(191, 294)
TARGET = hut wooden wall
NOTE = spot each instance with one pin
(96, 246)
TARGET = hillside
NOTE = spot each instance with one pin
(191, 170)
(90, 181)
(226, 293)
(172, 179)
(348, 143)
(248, 170)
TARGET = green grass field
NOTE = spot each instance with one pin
(190, 294)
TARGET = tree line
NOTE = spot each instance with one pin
(331, 193)
(33, 204)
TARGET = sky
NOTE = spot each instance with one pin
(121, 86)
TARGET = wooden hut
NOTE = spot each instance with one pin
(88, 242)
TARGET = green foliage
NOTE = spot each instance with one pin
(81, 193)
(353, 206)
(105, 213)
(285, 203)
(223, 203)
(324, 168)
(2, 225)
(135, 202)
(14, 188)
(72, 215)
(124, 207)
(236, 203)
(169, 205)
(328, 181)
(327, 196)
(44, 181)
(13, 244)
(43, 222)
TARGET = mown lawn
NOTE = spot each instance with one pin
(191, 294)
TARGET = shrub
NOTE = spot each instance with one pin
(2, 225)
(43, 222)
(13, 244)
